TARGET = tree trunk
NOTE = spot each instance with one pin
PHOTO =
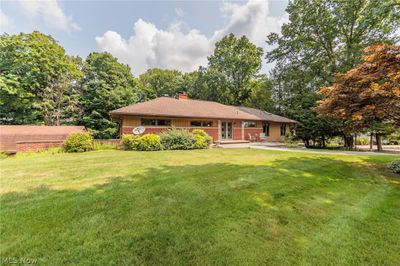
(323, 141)
(355, 141)
(371, 141)
(307, 143)
(348, 142)
(378, 142)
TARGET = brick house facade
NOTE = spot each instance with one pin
(221, 122)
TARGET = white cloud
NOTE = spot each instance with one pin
(51, 13)
(5, 21)
(251, 19)
(150, 47)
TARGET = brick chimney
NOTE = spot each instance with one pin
(182, 96)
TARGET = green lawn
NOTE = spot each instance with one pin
(219, 206)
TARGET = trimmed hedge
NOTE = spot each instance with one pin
(177, 139)
(149, 142)
(129, 142)
(78, 142)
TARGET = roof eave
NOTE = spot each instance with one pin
(184, 116)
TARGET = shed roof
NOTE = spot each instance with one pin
(172, 107)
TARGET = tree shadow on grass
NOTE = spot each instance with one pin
(217, 213)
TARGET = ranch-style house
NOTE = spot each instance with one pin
(224, 123)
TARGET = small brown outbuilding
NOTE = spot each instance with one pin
(16, 138)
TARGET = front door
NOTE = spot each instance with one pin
(226, 130)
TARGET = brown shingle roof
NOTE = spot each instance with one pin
(171, 107)
(265, 116)
(10, 134)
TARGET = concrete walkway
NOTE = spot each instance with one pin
(279, 147)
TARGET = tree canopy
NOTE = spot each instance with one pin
(158, 82)
(323, 38)
(231, 68)
(36, 80)
(106, 85)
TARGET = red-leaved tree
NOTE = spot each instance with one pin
(367, 96)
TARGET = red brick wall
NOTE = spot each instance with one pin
(213, 132)
(237, 132)
(252, 132)
(25, 146)
(11, 134)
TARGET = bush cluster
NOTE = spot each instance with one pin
(172, 139)
(176, 139)
(394, 166)
(149, 142)
(129, 142)
(202, 139)
(78, 142)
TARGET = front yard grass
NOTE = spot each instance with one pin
(219, 207)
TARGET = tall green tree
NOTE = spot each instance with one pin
(231, 68)
(37, 80)
(158, 82)
(189, 82)
(106, 85)
(260, 94)
(321, 39)
(211, 85)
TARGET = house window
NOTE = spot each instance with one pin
(266, 129)
(161, 122)
(200, 123)
(283, 130)
(149, 122)
(249, 124)
(156, 122)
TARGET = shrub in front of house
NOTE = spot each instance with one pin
(129, 142)
(78, 142)
(394, 166)
(149, 142)
(202, 139)
(177, 139)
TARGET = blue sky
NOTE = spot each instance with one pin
(145, 34)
